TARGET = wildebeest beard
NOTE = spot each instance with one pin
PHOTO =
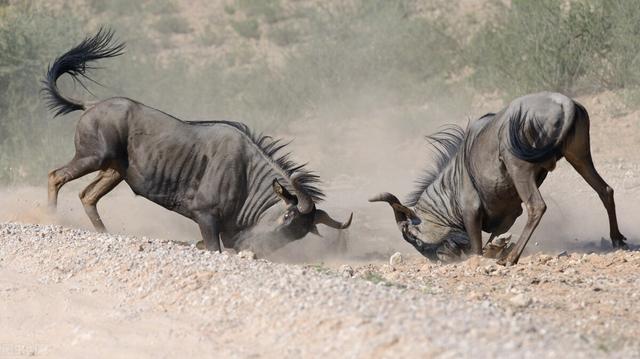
(436, 242)
(272, 232)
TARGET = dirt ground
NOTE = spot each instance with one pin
(73, 293)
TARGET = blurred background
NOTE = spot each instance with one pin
(357, 83)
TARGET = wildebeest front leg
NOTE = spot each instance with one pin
(210, 230)
(103, 184)
(525, 183)
(473, 226)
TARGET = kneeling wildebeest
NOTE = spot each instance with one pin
(218, 173)
(483, 175)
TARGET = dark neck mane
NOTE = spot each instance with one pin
(269, 163)
(437, 191)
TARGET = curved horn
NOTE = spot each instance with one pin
(305, 203)
(323, 217)
(401, 212)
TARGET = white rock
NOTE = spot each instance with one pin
(346, 271)
(246, 254)
(520, 300)
(396, 259)
(544, 258)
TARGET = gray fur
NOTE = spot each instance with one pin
(485, 173)
(217, 173)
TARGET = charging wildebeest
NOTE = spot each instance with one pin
(217, 173)
(483, 175)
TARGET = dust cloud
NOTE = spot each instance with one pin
(356, 158)
(360, 144)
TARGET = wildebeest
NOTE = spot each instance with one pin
(227, 179)
(483, 175)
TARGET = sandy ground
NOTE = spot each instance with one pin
(73, 293)
(69, 292)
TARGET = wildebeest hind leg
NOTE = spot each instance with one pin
(578, 153)
(77, 168)
(524, 179)
(106, 181)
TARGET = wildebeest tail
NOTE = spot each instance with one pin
(531, 141)
(76, 62)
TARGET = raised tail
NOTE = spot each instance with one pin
(533, 138)
(75, 62)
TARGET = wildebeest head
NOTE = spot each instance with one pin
(301, 215)
(434, 241)
(293, 218)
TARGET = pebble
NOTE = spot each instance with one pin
(346, 271)
(247, 254)
(544, 258)
(520, 300)
(396, 259)
(239, 293)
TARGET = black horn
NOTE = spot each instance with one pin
(323, 217)
(305, 203)
(401, 212)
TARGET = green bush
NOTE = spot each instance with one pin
(118, 7)
(577, 46)
(229, 10)
(284, 35)
(172, 25)
(270, 10)
(248, 28)
(621, 61)
(360, 54)
(538, 45)
(30, 142)
(162, 7)
(211, 37)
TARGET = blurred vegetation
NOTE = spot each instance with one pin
(571, 47)
(172, 24)
(334, 62)
(248, 28)
(29, 141)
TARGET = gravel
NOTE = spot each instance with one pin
(253, 307)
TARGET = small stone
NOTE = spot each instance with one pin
(346, 271)
(562, 254)
(490, 268)
(246, 254)
(520, 300)
(396, 259)
(544, 258)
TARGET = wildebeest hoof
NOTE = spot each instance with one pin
(506, 262)
(498, 249)
(619, 243)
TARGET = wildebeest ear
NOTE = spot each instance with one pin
(283, 194)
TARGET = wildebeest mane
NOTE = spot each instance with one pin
(272, 149)
(445, 144)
